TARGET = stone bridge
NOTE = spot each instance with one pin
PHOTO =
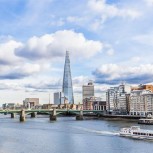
(51, 112)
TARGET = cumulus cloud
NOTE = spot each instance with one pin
(55, 45)
(18, 59)
(115, 74)
(80, 80)
(55, 85)
(10, 86)
(12, 66)
(19, 71)
(109, 10)
(7, 55)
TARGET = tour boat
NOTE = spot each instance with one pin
(136, 132)
(147, 121)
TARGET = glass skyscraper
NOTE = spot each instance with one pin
(67, 80)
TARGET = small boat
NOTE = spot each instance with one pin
(136, 132)
(147, 121)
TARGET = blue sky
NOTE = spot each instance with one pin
(110, 41)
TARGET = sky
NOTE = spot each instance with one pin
(110, 42)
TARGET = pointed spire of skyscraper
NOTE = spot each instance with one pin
(67, 80)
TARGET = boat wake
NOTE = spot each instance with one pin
(99, 132)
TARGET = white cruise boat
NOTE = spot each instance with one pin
(136, 132)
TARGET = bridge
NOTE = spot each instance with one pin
(51, 112)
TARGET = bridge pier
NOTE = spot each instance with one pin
(22, 116)
(53, 115)
(33, 115)
(80, 116)
(12, 115)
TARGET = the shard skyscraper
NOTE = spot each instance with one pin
(67, 80)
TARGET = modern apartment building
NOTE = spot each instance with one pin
(116, 98)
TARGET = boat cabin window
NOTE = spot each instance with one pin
(143, 133)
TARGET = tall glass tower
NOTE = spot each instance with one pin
(67, 80)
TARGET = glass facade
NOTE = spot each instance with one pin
(67, 80)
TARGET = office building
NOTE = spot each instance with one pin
(88, 90)
(67, 88)
(57, 98)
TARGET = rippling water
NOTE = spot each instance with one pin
(67, 135)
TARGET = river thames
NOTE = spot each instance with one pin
(67, 135)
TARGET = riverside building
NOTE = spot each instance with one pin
(94, 103)
(99, 105)
(116, 98)
(141, 102)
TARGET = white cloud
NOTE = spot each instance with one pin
(110, 52)
(109, 10)
(145, 39)
(135, 59)
(113, 74)
(12, 66)
(55, 45)
(7, 55)
(109, 49)
(149, 2)
(81, 80)
(19, 71)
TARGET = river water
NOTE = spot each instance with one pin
(66, 135)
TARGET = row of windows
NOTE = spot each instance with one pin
(137, 133)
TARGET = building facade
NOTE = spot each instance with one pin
(87, 104)
(143, 87)
(30, 102)
(57, 98)
(141, 102)
(99, 105)
(9, 106)
(67, 88)
(88, 90)
(116, 98)
(94, 103)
